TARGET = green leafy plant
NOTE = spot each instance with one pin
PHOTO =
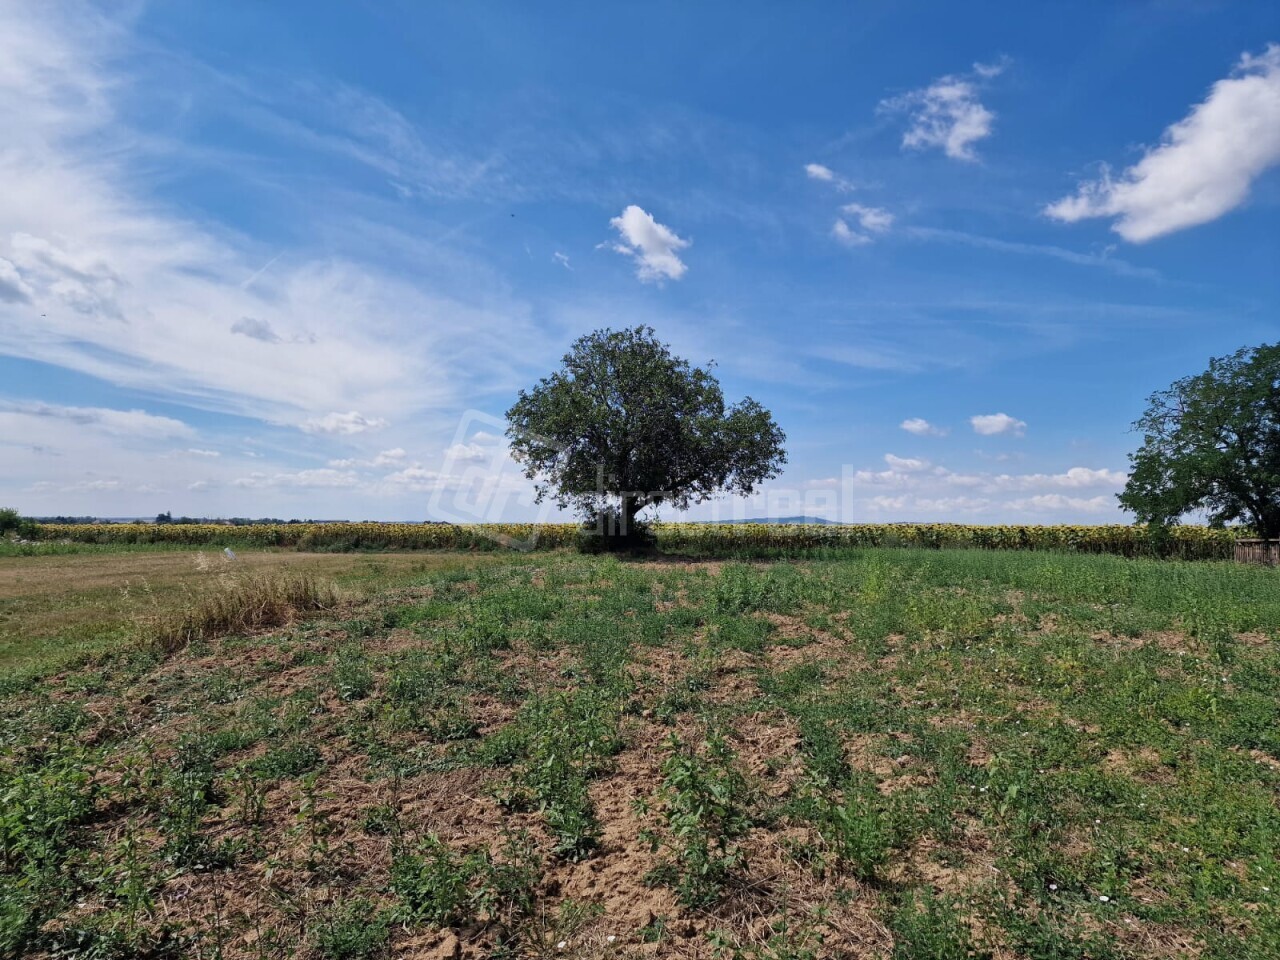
(702, 803)
(852, 827)
(353, 930)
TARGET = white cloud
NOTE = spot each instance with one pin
(342, 424)
(1074, 478)
(126, 423)
(415, 478)
(908, 465)
(991, 424)
(1056, 501)
(653, 246)
(145, 295)
(301, 478)
(922, 428)
(468, 453)
(387, 458)
(13, 289)
(197, 452)
(824, 174)
(872, 219)
(914, 489)
(1204, 165)
(848, 236)
(947, 114)
(198, 485)
(562, 259)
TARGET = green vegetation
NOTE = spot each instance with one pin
(625, 425)
(744, 540)
(888, 753)
(1212, 442)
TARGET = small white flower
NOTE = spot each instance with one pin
(1097, 821)
(562, 944)
(1053, 886)
(1266, 889)
(1104, 898)
(1186, 849)
(610, 938)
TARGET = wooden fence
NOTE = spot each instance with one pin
(1258, 551)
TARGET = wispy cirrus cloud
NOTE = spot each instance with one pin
(125, 423)
(1104, 260)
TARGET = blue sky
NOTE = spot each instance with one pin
(295, 259)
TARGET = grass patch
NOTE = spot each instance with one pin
(893, 753)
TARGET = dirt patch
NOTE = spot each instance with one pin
(964, 864)
(1143, 764)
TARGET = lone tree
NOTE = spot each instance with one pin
(624, 425)
(1213, 443)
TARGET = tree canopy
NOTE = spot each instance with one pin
(624, 425)
(1212, 443)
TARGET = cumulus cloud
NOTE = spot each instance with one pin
(1204, 164)
(909, 465)
(342, 424)
(947, 114)
(922, 428)
(914, 489)
(467, 453)
(130, 423)
(654, 247)
(255, 329)
(1074, 478)
(992, 424)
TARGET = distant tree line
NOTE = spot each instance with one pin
(169, 518)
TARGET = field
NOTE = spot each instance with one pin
(888, 753)
(719, 539)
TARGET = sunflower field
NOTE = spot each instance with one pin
(1183, 542)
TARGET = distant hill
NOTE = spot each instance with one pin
(817, 520)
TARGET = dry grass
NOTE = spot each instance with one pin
(60, 606)
(239, 604)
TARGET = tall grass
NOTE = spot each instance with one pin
(239, 605)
